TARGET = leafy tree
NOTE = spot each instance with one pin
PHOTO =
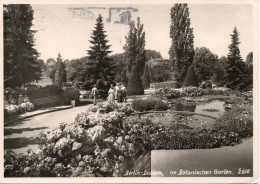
(220, 71)
(152, 54)
(190, 78)
(100, 67)
(181, 51)
(60, 72)
(146, 77)
(160, 70)
(20, 56)
(203, 63)
(135, 47)
(76, 70)
(120, 67)
(134, 85)
(135, 57)
(236, 74)
(249, 63)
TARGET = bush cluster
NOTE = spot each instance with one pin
(196, 91)
(70, 94)
(149, 104)
(94, 145)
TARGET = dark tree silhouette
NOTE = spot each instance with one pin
(182, 49)
(20, 57)
(190, 78)
(236, 74)
(134, 86)
(100, 66)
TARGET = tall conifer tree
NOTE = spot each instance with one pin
(182, 50)
(100, 66)
(20, 56)
(236, 73)
(135, 57)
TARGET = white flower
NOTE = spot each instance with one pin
(76, 145)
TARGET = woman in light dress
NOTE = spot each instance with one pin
(111, 95)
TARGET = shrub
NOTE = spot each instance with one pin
(70, 94)
(149, 104)
(238, 120)
(134, 85)
(94, 145)
(167, 93)
(190, 78)
(191, 92)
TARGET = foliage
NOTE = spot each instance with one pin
(236, 76)
(60, 72)
(181, 50)
(100, 67)
(70, 94)
(160, 68)
(120, 68)
(249, 63)
(152, 54)
(20, 56)
(190, 78)
(219, 71)
(191, 91)
(154, 135)
(135, 47)
(149, 104)
(204, 62)
(77, 71)
(134, 85)
(239, 120)
(146, 77)
(167, 93)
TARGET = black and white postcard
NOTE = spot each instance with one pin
(129, 91)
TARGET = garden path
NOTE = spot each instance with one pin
(21, 135)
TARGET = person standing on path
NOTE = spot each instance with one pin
(119, 95)
(116, 89)
(95, 94)
(123, 88)
(111, 95)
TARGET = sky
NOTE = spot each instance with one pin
(66, 29)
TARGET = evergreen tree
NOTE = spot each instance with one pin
(135, 53)
(181, 51)
(20, 58)
(134, 85)
(146, 77)
(60, 72)
(100, 66)
(190, 78)
(236, 74)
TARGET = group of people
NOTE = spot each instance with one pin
(23, 104)
(117, 93)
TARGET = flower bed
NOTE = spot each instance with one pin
(103, 141)
(195, 92)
